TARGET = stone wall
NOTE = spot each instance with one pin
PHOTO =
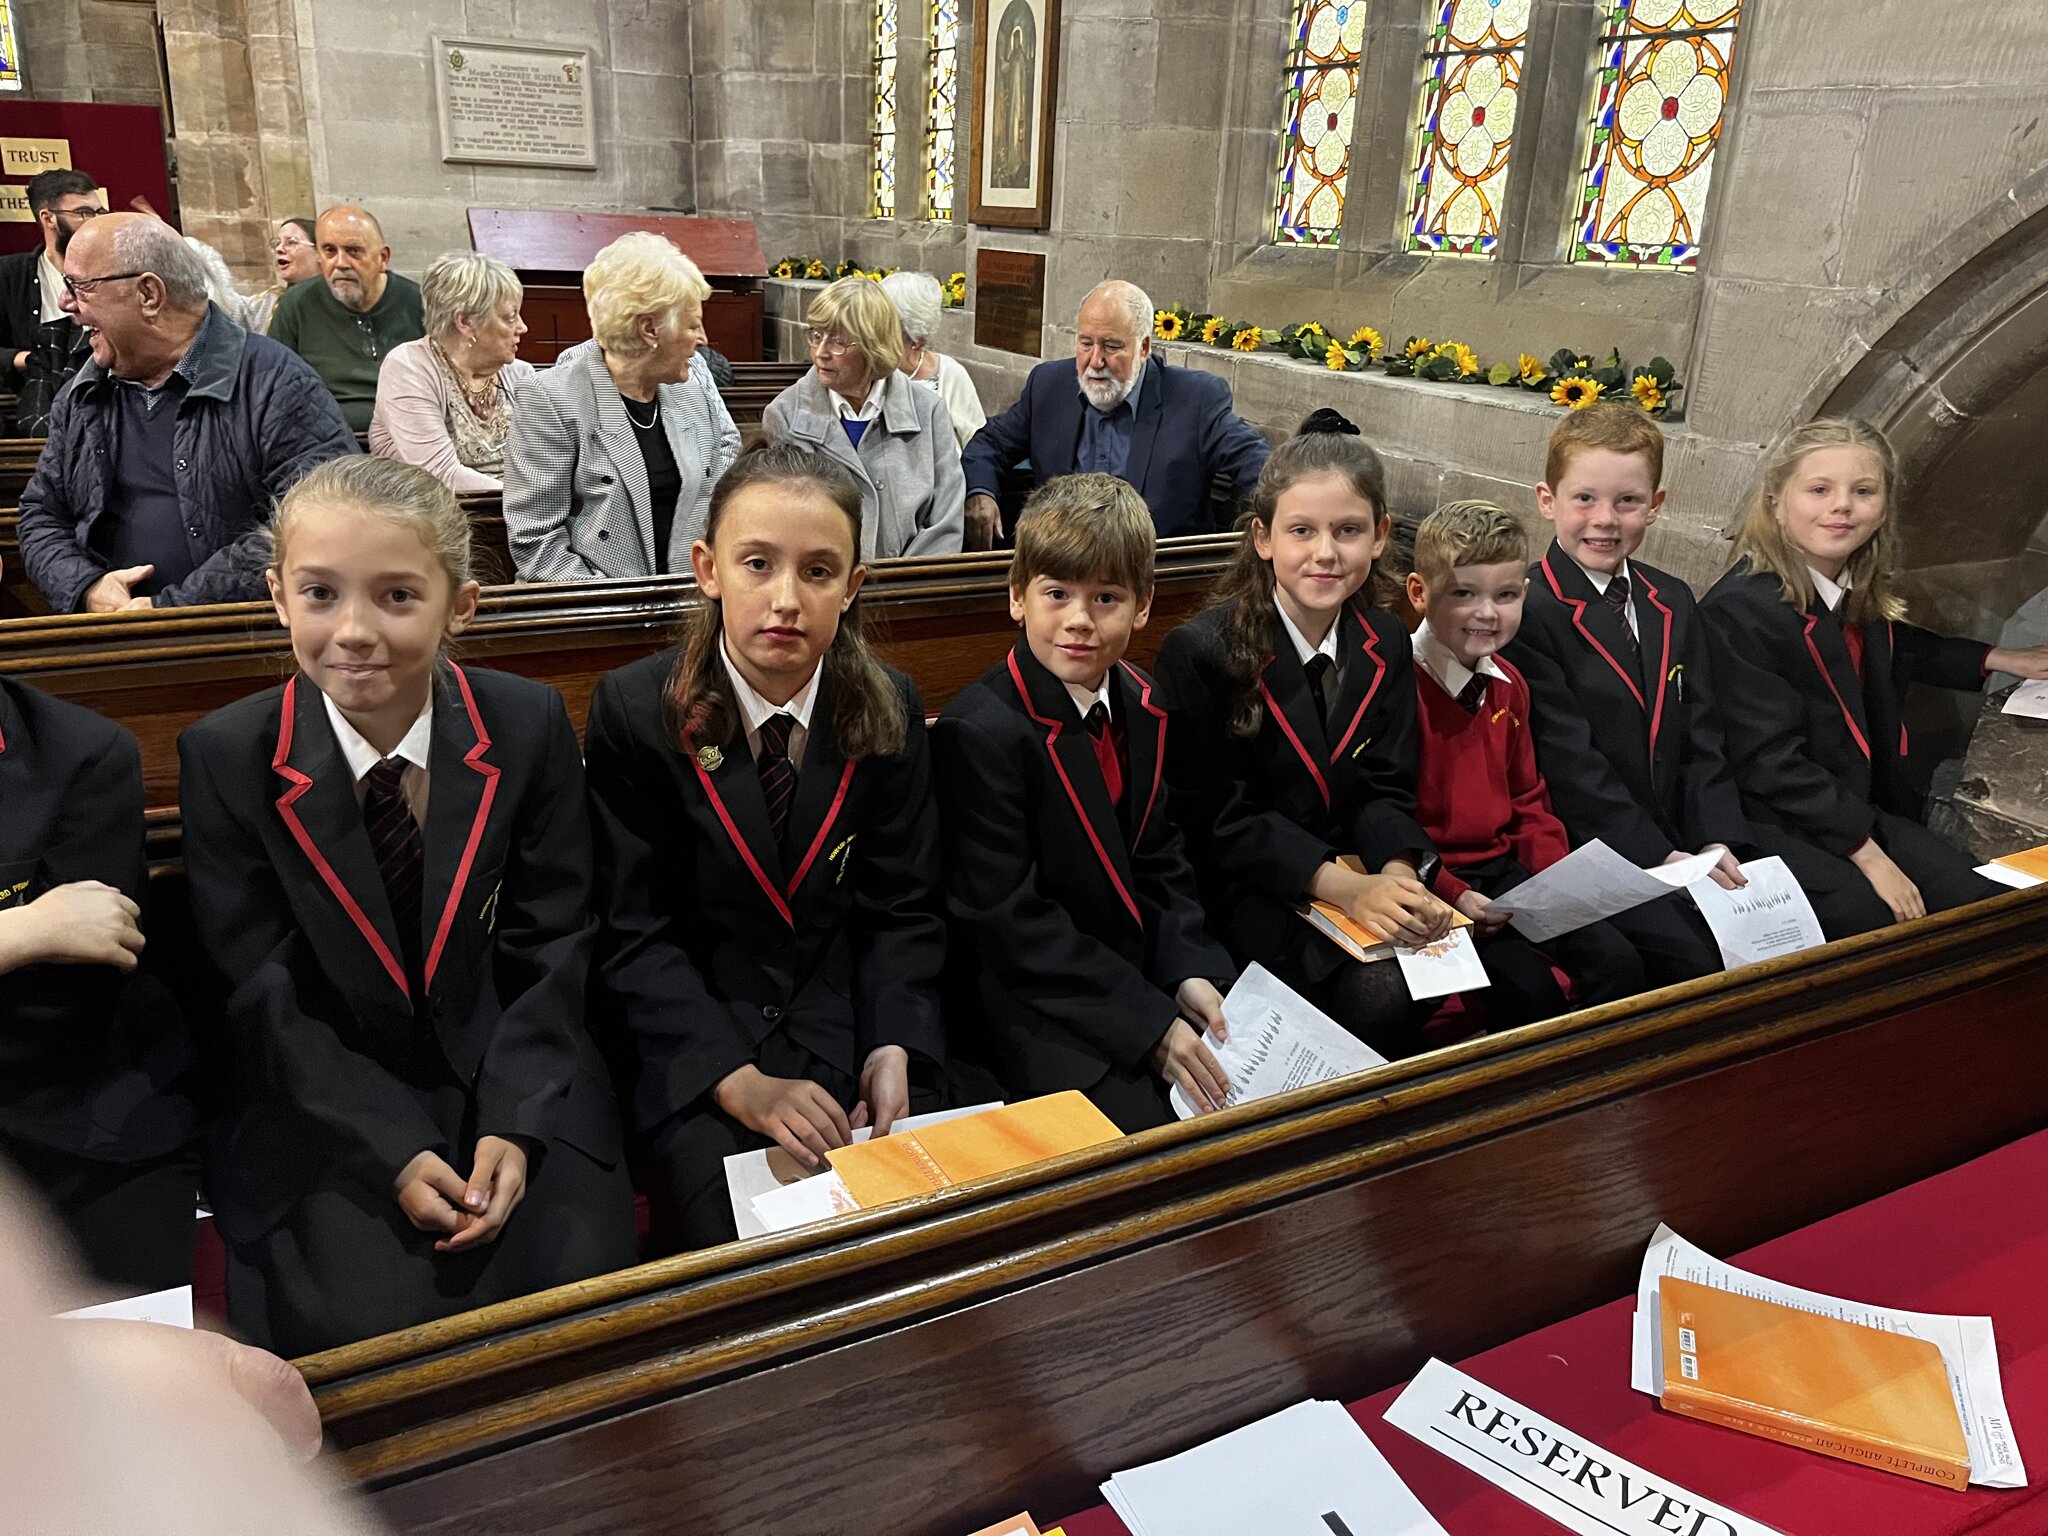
(88, 50)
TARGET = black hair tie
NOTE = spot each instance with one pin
(1326, 420)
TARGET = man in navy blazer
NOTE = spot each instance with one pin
(1121, 411)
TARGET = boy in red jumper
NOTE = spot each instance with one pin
(1479, 794)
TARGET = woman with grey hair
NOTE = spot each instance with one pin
(444, 402)
(917, 296)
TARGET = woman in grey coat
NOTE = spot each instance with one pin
(895, 438)
(614, 450)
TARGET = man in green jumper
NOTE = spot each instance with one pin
(347, 324)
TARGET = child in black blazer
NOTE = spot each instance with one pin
(1810, 637)
(95, 1107)
(1079, 936)
(767, 853)
(389, 860)
(1294, 739)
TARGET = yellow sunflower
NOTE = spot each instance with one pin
(1367, 340)
(1249, 339)
(1462, 355)
(1576, 394)
(1530, 368)
(1166, 325)
(1419, 346)
(816, 269)
(1648, 392)
(1335, 360)
(785, 269)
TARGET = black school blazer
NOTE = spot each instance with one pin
(1816, 749)
(332, 1061)
(1263, 812)
(1075, 920)
(1634, 757)
(93, 1061)
(710, 942)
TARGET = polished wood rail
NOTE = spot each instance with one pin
(931, 1366)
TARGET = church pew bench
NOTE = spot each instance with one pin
(928, 1367)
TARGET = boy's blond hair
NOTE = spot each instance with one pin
(1085, 528)
(1467, 533)
(1619, 426)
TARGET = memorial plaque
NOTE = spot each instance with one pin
(514, 104)
(1009, 301)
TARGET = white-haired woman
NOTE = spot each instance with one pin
(917, 297)
(615, 449)
(444, 402)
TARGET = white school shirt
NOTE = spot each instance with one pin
(1304, 650)
(755, 710)
(416, 748)
(1831, 592)
(1435, 658)
(1600, 579)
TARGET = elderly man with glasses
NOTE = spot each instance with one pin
(167, 454)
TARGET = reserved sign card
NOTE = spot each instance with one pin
(1547, 1467)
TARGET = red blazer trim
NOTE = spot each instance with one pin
(1664, 662)
(1891, 640)
(300, 784)
(473, 760)
(1578, 608)
(1829, 678)
(1052, 736)
(1159, 750)
(824, 828)
(1372, 649)
(746, 854)
(1308, 758)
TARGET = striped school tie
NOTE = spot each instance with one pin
(778, 774)
(401, 853)
(1617, 599)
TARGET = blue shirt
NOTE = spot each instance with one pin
(1106, 435)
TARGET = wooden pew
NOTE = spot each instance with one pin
(928, 1367)
(944, 620)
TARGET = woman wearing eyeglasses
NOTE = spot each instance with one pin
(614, 450)
(858, 407)
(298, 259)
(444, 402)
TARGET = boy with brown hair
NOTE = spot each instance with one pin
(1077, 925)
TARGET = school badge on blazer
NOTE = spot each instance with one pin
(841, 856)
(487, 914)
(710, 759)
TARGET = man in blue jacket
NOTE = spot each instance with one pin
(170, 448)
(1168, 431)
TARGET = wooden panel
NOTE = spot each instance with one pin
(556, 320)
(543, 240)
(1016, 1341)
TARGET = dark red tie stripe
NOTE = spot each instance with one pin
(1107, 757)
(400, 852)
(778, 773)
(1617, 599)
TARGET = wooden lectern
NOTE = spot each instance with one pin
(550, 249)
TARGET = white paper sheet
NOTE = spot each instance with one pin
(817, 1198)
(1589, 883)
(1283, 1475)
(1582, 1486)
(173, 1308)
(1449, 965)
(2019, 880)
(2030, 699)
(1966, 1344)
(748, 1176)
(1278, 1040)
(1769, 916)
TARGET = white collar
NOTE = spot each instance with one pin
(416, 747)
(1831, 592)
(867, 412)
(1600, 579)
(1085, 700)
(757, 709)
(1302, 648)
(1435, 658)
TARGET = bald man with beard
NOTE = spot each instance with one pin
(346, 324)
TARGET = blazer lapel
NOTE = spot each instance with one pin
(1063, 431)
(1829, 654)
(1050, 707)
(732, 787)
(676, 406)
(1283, 685)
(821, 789)
(1145, 430)
(1601, 627)
(1144, 746)
(1365, 674)
(615, 435)
(462, 788)
(1654, 621)
(317, 804)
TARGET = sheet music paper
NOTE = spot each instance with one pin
(1590, 883)
(1769, 916)
(1966, 1344)
(1278, 1040)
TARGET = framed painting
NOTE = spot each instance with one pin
(1016, 81)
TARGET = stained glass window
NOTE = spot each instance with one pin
(1315, 147)
(882, 156)
(1465, 125)
(1660, 93)
(938, 118)
(10, 50)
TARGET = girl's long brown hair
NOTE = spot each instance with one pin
(1761, 539)
(867, 711)
(1246, 587)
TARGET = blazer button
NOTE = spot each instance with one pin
(604, 533)
(181, 463)
(772, 1014)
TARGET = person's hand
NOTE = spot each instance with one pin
(84, 923)
(1399, 909)
(983, 516)
(1480, 910)
(804, 1119)
(497, 1183)
(1182, 1056)
(110, 593)
(20, 361)
(1727, 871)
(884, 1089)
(432, 1195)
(1890, 882)
(1202, 1006)
(2031, 662)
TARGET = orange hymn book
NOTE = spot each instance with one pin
(917, 1162)
(2031, 861)
(1861, 1394)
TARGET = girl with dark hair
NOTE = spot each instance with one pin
(767, 854)
(1293, 738)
